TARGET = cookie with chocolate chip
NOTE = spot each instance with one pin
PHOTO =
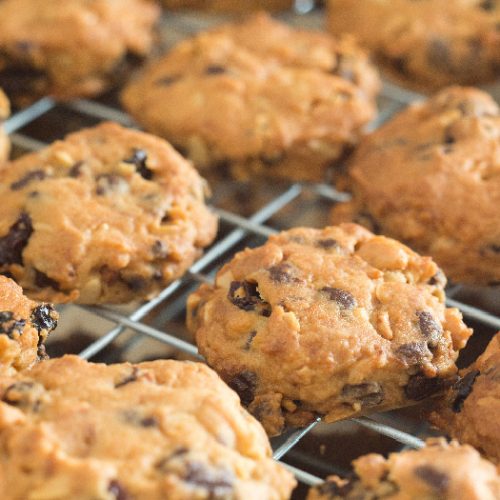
(24, 327)
(71, 48)
(258, 97)
(106, 215)
(431, 178)
(157, 430)
(471, 408)
(335, 322)
(426, 44)
(439, 471)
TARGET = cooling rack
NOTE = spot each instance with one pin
(248, 215)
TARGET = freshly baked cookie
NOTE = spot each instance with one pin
(431, 178)
(470, 412)
(440, 471)
(106, 215)
(157, 430)
(335, 322)
(68, 48)
(229, 5)
(258, 98)
(24, 326)
(427, 44)
(4, 138)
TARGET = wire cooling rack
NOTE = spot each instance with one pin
(248, 214)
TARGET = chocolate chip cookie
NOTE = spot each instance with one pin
(471, 409)
(335, 322)
(440, 471)
(24, 326)
(106, 215)
(69, 48)
(431, 178)
(156, 430)
(258, 97)
(426, 44)
(228, 5)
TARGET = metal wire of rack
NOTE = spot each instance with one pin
(133, 324)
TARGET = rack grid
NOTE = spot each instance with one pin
(132, 325)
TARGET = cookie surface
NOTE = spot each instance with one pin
(24, 326)
(4, 138)
(228, 5)
(427, 44)
(439, 471)
(431, 178)
(107, 215)
(157, 430)
(258, 98)
(470, 411)
(70, 48)
(335, 322)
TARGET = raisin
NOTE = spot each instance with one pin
(116, 489)
(217, 482)
(9, 325)
(215, 69)
(412, 353)
(420, 387)
(244, 295)
(344, 298)
(139, 158)
(436, 479)
(43, 281)
(14, 242)
(463, 389)
(282, 273)
(367, 393)
(244, 385)
(44, 317)
(429, 327)
(327, 243)
(24, 181)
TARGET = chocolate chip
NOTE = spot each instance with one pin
(244, 385)
(282, 273)
(116, 489)
(215, 69)
(249, 340)
(110, 183)
(149, 422)
(463, 388)
(344, 298)
(44, 317)
(43, 281)
(436, 479)
(429, 327)
(412, 353)
(244, 294)
(217, 482)
(420, 387)
(139, 158)
(132, 377)
(367, 393)
(13, 243)
(168, 80)
(76, 169)
(438, 54)
(30, 176)
(327, 243)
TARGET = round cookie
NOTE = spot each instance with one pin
(471, 409)
(106, 215)
(24, 326)
(426, 44)
(431, 178)
(4, 138)
(158, 430)
(334, 322)
(70, 48)
(258, 97)
(229, 5)
(440, 471)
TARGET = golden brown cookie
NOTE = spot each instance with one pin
(334, 322)
(258, 97)
(159, 430)
(106, 215)
(229, 5)
(431, 178)
(4, 138)
(426, 44)
(470, 412)
(68, 48)
(24, 326)
(440, 471)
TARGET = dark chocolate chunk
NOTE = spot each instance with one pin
(463, 388)
(132, 377)
(44, 317)
(215, 69)
(30, 176)
(76, 169)
(244, 294)
(420, 387)
(13, 243)
(139, 158)
(327, 243)
(412, 353)
(436, 479)
(344, 298)
(116, 489)
(429, 327)
(43, 281)
(367, 393)
(168, 80)
(282, 273)
(244, 385)
(217, 482)
(249, 340)
(159, 249)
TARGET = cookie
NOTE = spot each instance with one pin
(470, 411)
(24, 327)
(335, 322)
(228, 5)
(258, 97)
(426, 44)
(155, 430)
(431, 178)
(440, 471)
(4, 138)
(106, 215)
(71, 48)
